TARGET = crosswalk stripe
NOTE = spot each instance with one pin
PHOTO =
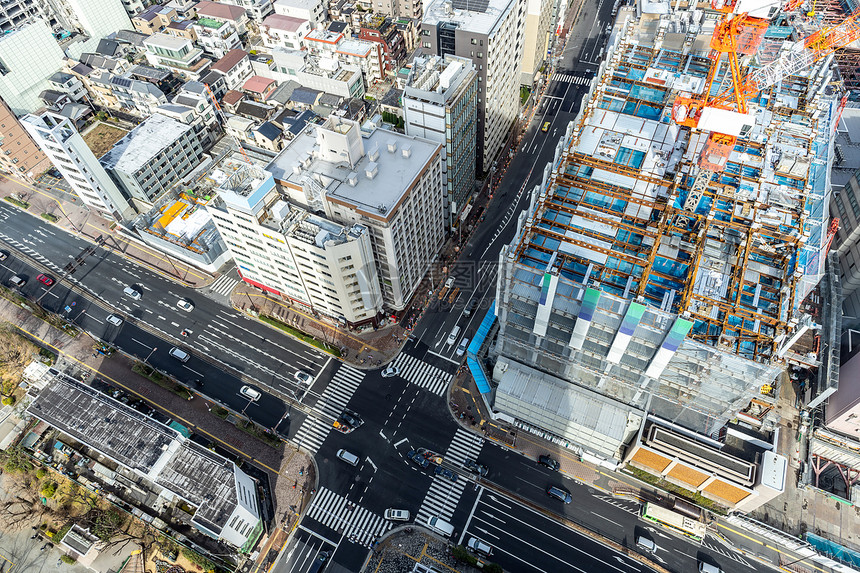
(443, 496)
(223, 285)
(422, 374)
(334, 399)
(359, 524)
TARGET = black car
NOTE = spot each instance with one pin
(475, 467)
(547, 461)
(470, 306)
(418, 459)
(445, 473)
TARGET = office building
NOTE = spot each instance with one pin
(289, 252)
(491, 35)
(440, 103)
(19, 154)
(153, 157)
(648, 284)
(388, 182)
(57, 137)
(22, 76)
(538, 38)
(171, 466)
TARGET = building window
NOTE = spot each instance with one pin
(474, 41)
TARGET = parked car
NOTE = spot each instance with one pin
(547, 461)
(3, 255)
(418, 459)
(445, 473)
(475, 467)
(45, 280)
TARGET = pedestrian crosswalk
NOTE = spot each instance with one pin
(356, 523)
(422, 374)
(570, 79)
(443, 495)
(333, 400)
(224, 285)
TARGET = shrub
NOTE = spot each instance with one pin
(68, 560)
(198, 559)
(461, 554)
(48, 489)
(41, 472)
(493, 568)
(8, 400)
(50, 217)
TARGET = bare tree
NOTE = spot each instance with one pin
(16, 352)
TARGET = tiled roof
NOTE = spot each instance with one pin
(258, 84)
(229, 61)
(219, 10)
(281, 22)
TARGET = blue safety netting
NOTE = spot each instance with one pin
(472, 361)
(834, 550)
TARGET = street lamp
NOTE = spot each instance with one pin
(145, 360)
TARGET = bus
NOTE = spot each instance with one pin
(674, 521)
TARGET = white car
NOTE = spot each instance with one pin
(303, 377)
(114, 320)
(390, 371)
(250, 393)
(185, 305)
(396, 514)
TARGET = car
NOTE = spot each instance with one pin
(303, 377)
(3, 255)
(390, 371)
(464, 344)
(547, 461)
(179, 354)
(646, 544)
(17, 281)
(347, 457)
(470, 306)
(418, 459)
(475, 467)
(545, 127)
(251, 394)
(114, 320)
(347, 422)
(396, 514)
(479, 546)
(445, 473)
(185, 305)
(45, 280)
(452, 338)
(131, 292)
(450, 282)
(559, 493)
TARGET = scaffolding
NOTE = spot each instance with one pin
(695, 276)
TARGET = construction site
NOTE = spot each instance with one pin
(672, 265)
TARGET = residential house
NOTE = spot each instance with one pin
(131, 96)
(179, 55)
(236, 67)
(257, 10)
(186, 9)
(217, 83)
(117, 66)
(154, 19)
(284, 31)
(224, 12)
(312, 10)
(319, 73)
(259, 87)
(253, 110)
(383, 31)
(216, 37)
(68, 84)
(305, 98)
(182, 29)
(231, 99)
(268, 136)
(367, 56)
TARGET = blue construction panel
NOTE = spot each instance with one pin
(478, 374)
(475, 366)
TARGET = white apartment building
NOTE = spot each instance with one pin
(491, 35)
(388, 182)
(22, 76)
(284, 32)
(440, 103)
(257, 9)
(312, 10)
(57, 137)
(95, 18)
(539, 32)
(323, 74)
(292, 253)
(179, 55)
(216, 37)
(367, 56)
(236, 67)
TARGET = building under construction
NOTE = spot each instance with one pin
(654, 275)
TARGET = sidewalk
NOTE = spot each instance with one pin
(76, 218)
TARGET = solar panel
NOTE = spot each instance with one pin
(472, 5)
(122, 82)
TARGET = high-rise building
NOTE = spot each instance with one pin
(285, 250)
(153, 157)
(22, 76)
(385, 181)
(440, 103)
(491, 35)
(57, 137)
(19, 154)
(538, 38)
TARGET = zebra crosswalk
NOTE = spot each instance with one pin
(570, 79)
(422, 374)
(356, 523)
(224, 285)
(333, 400)
(443, 495)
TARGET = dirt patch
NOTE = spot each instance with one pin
(102, 137)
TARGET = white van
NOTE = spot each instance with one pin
(455, 332)
(131, 293)
(17, 281)
(348, 457)
(179, 354)
(440, 526)
(708, 568)
(646, 544)
(397, 514)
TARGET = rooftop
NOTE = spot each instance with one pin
(229, 61)
(167, 41)
(286, 23)
(377, 181)
(325, 36)
(257, 84)
(143, 143)
(359, 48)
(477, 16)
(219, 10)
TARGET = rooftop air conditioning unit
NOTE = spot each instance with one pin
(406, 151)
